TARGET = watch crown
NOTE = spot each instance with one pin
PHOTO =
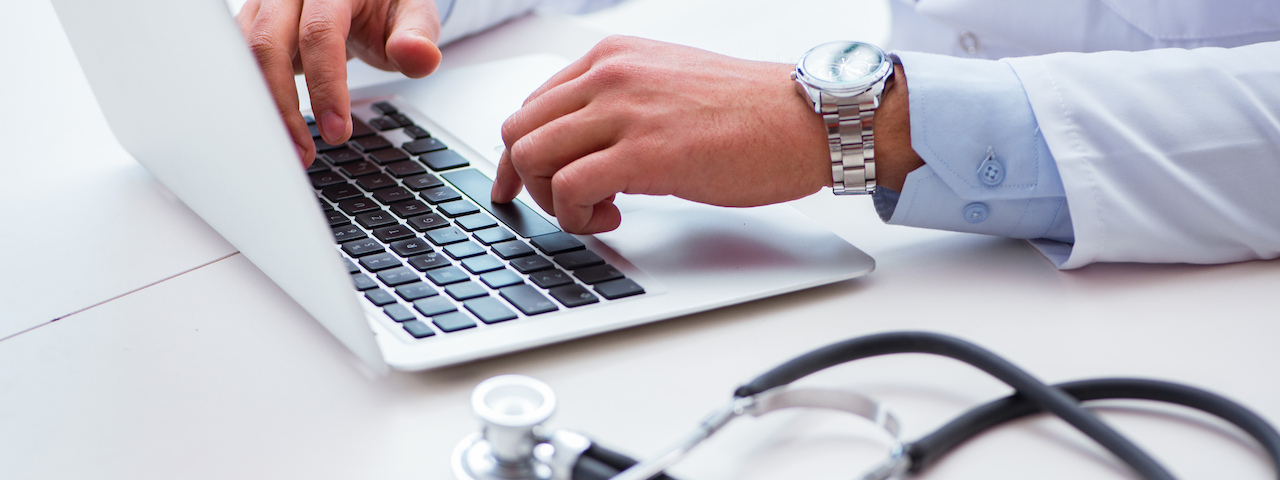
(793, 75)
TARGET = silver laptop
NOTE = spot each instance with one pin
(440, 274)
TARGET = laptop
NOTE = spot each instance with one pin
(390, 240)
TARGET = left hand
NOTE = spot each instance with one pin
(645, 117)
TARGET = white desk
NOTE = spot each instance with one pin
(215, 373)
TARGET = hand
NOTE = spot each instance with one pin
(644, 117)
(317, 37)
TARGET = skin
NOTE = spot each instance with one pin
(632, 116)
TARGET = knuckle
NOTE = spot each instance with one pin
(510, 132)
(317, 30)
(613, 45)
(265, 46)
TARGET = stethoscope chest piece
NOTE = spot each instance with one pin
(512, 408)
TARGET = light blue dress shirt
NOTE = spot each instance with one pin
(987, 167)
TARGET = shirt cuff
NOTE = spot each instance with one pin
(987, 167)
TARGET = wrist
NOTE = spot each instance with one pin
(895, 158)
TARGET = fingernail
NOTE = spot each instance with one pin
(332, 126)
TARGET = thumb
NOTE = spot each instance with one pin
(415, 26)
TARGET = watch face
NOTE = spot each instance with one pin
(843, 63)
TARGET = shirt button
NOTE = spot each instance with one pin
(976, 212)
(991, 172)
(969, 42)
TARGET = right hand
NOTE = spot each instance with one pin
(317, 37)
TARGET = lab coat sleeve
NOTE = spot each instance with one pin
(1165, 155)
(987, 167)
(466, 17)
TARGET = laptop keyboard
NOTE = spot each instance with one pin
(423, 242)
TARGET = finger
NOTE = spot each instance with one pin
(507, 184)
(537, 157)
(567, 98)
(584, 189)
(272, 37)
(322, 37)
(244, 18)
(573, 71)
(411, 45)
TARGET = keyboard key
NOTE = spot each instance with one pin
(359, 129)
(549, 278)
(597, 274)
(336, 218)
(398, 276)
(416, 132)
(398, 313)
(405, 168)
(623, 287)
(531, 264)
(310, 119)
(363, 282)
(370, 143)
(475, 222)
(439, 194)
(379, 297)
(573, 295)
(457, 208)
(522, 220)
(384, 124)
(512, 249)
(342, 155)
(556, 243)
(490, 236)
(419, 182)
(423, 223)
(381, 261)
(443, 160)
(446, 275)
(385, 108)
(393, 233)
(500, 278)
(481, 263)
(434, 306)
(429, 261)
(465, 290)
(489, 309)
(418, 329)
(453, 321)
(528, 299)
(410, 208)
(318, 166)
(578, 259)
(351, 267)
(445, 236)
(347, 233)
(356, 169)
(401, 119)
(360, 248)
(375, 181)
(463, 250)
(388, 155)
(315, 129)
(323, 146)
(341, 191)
(411, 247)
(375, 219)
(357, 205)
(326, 178)
(389, 196)
(423, 145)
(415, 291)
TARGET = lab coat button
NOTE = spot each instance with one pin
(991, 172)
(975, 213)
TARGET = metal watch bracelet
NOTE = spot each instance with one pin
(851, 140)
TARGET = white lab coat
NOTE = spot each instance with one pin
(1166, 155)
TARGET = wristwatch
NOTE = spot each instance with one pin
(844, 81)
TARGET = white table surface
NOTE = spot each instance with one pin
(207, 370)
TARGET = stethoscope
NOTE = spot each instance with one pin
(513, 446)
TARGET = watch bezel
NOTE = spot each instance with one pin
(844, 89)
